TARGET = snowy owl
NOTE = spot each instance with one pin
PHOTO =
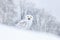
(26, 22)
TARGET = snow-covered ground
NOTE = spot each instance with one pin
(10, 33)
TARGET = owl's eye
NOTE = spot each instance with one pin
(30, 17)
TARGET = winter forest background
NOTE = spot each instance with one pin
(12, 11)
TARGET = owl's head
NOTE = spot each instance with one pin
(29, 17)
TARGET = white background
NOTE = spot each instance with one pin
(52, 6)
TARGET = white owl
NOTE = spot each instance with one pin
(26, 22)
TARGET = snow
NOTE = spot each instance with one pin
(10, 33)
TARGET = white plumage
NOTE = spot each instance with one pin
(26, 22)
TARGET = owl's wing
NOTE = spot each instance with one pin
(22, 23)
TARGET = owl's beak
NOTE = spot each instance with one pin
(28, 18)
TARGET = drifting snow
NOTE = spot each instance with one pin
(10, 33)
